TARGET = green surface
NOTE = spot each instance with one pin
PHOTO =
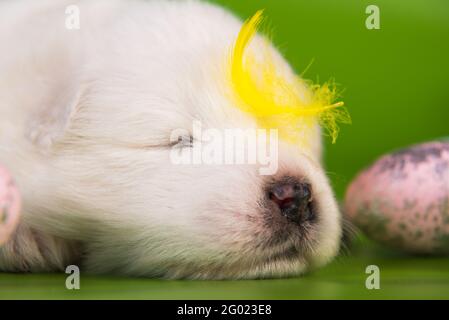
(401, 277)
(395, 83)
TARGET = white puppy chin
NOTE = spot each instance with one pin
(85, 130)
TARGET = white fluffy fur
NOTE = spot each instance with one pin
(85, 120)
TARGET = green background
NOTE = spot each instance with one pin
(395, 83)
(395, 80)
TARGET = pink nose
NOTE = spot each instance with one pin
(294, 200)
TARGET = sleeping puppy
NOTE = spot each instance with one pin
(86, 129)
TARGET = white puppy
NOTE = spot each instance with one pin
(85, 122)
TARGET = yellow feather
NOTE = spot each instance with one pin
(275, 101)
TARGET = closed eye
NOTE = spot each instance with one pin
(183, 141)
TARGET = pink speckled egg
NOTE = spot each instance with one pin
(402, 200)
(9, 205)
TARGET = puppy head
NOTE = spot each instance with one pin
(140, 213)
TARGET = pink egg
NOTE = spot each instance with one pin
(402, 200)
(9, 205)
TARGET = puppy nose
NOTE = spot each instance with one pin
(294, 200)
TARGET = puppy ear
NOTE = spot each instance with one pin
(48, 123)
